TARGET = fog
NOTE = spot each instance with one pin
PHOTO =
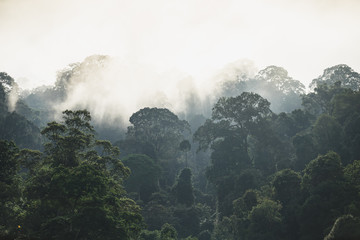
(164, 48)
(113, 89)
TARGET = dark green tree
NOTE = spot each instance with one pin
(352, 173)
(286, 184)
(327, 195)
(347, 113)
(160, 128)
(345, 227)
(320, 101)
(144, 175)
(287, 190)
(184, 189)
(168, 232)
(265, 221)
(233, 121)
(305, 150)
(187, 221)
(328, 135)
(185, 147)
(161, 131)
(10, 193)
(76, 191)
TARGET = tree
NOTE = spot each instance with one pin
(323, 169)
(76, 191)
(233, 117)
(265, 220)
(328, 135)
(159, 128)
(161, 131)
(279, 88)
(327, 195)
(150, 235)
(168, 232)
(273, 83)
(347, 113)
(352, 174)
(13, 126)
(287, 186)
(345, 227)
(338, 73)
(320, 101)
(233, 121)
(184, 189)
(346, 104)
(305, 150)
(144, 175)
(187, 221)
(9, 190)
(18, 129)
(6, 85)
(185, 147)
(287, 189)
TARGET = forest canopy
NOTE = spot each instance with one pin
(259, 158)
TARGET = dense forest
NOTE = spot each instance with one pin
(260, 157)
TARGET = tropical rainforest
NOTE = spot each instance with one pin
(261, 158)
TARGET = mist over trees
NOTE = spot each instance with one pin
(256, 158)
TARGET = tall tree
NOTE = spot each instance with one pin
(158, 127)
(76, 191)
(233, 120)
(184, 189)
(338, 73)
(9, 190)
(327, 195)
(144, 175)
(160, 131)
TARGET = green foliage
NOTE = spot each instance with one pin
(328, 195)
(321, 100)
(305, 150)
(144, 177)
(252, 188)
(184, 189)
(328, 134)
(187, 221)
(185, 146)
(204, 235)
(287, 185)
(157, 212)
(345, 227)
(243, 111)
(73, 191)
(168, 232)
(346, 111)
(158, 127)
(265, 220)
(160, 131)
(149, 235)
(323, 169)
(224, 230)
(9, 189)
(234, 119)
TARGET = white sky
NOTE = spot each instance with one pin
(39, 37)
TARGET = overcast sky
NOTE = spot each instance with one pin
(39, 37)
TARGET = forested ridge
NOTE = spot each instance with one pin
(259, 158)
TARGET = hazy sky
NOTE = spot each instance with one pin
(39, 37)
